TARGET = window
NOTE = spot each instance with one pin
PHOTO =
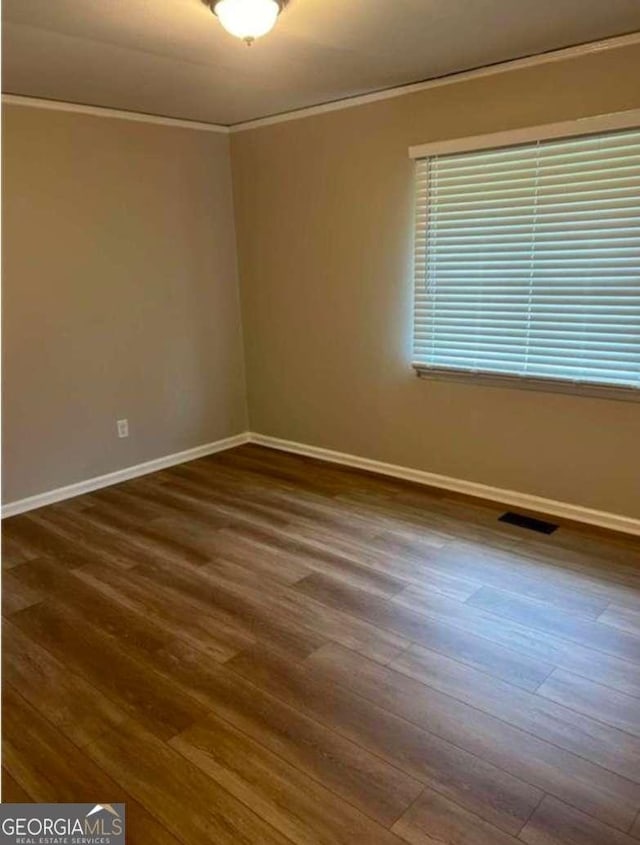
(527, 262)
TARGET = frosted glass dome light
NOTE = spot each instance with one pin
(247, 19)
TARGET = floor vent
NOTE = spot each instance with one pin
(529, 522)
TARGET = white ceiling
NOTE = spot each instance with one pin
(172, 58)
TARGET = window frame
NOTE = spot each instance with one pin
(580, 127)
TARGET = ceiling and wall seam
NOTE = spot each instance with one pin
(563, 54)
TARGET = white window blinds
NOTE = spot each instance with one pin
(527, 261)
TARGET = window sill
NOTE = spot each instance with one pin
(539, 383)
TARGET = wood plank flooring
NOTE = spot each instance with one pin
(259, 648)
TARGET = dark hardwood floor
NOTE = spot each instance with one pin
(259, 648)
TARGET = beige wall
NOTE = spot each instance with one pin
(120, 296)
(324, 221)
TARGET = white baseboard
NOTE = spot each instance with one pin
(564, 510)
(71, 490)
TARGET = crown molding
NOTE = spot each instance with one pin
(99, 111)
(413, 88)
(562, 54)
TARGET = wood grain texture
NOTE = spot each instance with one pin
(12, 792)
(539, 615)
(16, 595)
(127, 681)
(50, 768)
(488, 791)
(291, 801)
(482, 654)
(578, 781)
(63, 697)
(164, 779)
(555, 823)
(593, 740)
(535, 579)
(434, 819)
(350, 770)
(621, 617)
(257, 647)
(615, 672)
(601, 703)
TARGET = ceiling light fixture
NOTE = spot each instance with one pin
(247, 19)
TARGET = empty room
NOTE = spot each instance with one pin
(320, 422)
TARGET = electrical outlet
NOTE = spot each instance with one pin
(123, 428)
